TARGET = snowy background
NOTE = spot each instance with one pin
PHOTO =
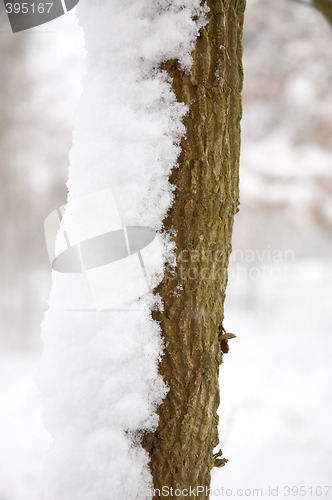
(276, 382)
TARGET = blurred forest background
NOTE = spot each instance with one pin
(276, 382)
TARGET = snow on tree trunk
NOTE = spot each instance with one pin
(99, 375)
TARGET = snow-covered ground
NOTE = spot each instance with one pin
(276, 381)
(24, 441)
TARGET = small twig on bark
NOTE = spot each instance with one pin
(223, 338)
(219, 462)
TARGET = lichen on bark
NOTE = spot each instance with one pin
(200, 222)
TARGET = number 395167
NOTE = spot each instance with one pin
(29, 8)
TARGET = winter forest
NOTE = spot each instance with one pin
(122, 117)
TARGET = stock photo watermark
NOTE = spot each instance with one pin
(24, 15)
(119, 262)
(269, 491)
(248, 264)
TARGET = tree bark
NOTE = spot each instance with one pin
(200, 223)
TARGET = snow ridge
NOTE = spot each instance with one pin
(99, 375)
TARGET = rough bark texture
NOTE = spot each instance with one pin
(201, 222)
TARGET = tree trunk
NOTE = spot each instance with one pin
(200, 222)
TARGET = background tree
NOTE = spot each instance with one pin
(34, 142)
(323, 6)
(15, 202)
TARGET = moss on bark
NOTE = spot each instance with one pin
(200, 221)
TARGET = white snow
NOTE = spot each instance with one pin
(276, 381)
(23, 438)
(130, 140)
(99, 375)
